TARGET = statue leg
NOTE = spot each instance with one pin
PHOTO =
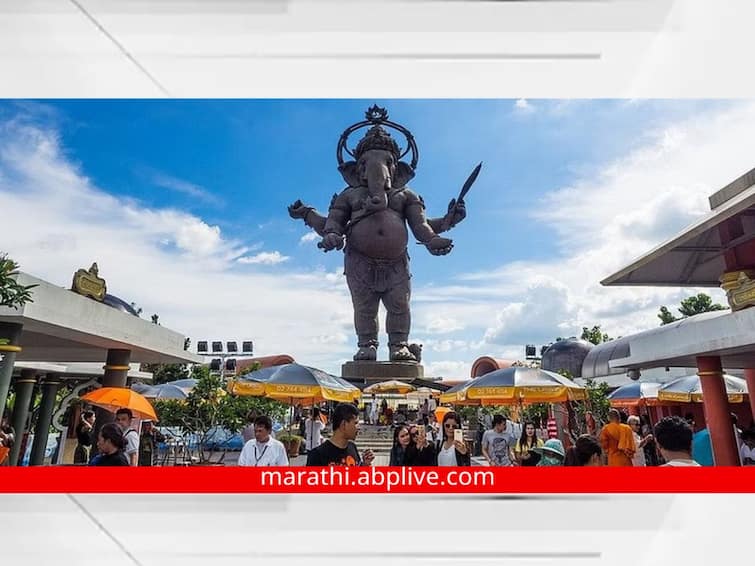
(398, 321)
(366, 303)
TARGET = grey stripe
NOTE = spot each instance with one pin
(102, 528)
(417, 555)
(120, 47)
(189, 503)
(183, 7)
(534, 497)
(407, 56)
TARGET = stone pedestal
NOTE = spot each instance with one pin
(382, 371)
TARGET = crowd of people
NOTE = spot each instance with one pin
(116, 443)
(623, 441)
(630, 441)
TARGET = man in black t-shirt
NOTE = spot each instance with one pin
(340, 450)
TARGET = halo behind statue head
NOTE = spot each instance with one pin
(377, 138)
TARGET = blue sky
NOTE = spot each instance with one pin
(203, 184)
(238, 164)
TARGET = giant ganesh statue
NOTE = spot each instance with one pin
(368, 220)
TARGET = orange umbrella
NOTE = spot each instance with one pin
(440, 412)
(114, 398)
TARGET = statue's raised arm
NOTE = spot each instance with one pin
(369, 219)
(311, 217)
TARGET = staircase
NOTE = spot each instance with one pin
(379, 439)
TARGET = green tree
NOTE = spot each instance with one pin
(12, 293)
(209, 407)
(696, 304)
(163, 373)
(595, 335)
(666, 317)
(536, 413)
(597, 403)
(470, 413)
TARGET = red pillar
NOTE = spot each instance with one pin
(717, 414)
(750, 378)
(659, 413)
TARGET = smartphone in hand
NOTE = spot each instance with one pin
(458, 435)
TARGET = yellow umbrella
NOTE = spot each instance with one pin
(295, 383)
(453, 395)
(251, 384)
(393, 386)
(519, 385)
(246, 388)
(688, 389)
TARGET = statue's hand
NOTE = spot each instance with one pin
(299, 210)
(439, 246)
(457, 211)
(331, 242)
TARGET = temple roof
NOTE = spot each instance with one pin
(61, 327)
(695, 256)
(728, 335)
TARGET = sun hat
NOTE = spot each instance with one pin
(552, 446)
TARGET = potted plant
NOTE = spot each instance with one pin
(292, 442)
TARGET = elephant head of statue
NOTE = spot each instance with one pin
(377, 162)
(378, 167)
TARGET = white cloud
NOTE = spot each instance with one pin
(207, 285)
(602, 222)
(609, 219)
(264, 258)
(448, 369)
(546, 307)
(446, 345)
(184, 187)
(327, 339)
(167, 261)
(309, 237)
(522, 106)
(443, 325)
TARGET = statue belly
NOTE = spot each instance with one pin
(380, 235)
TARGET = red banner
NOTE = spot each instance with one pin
(74, 479)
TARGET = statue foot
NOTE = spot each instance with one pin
(416, 349)
(401, 353)
(366, 354)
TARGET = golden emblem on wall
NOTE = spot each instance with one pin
(89, 283)
(740, 288)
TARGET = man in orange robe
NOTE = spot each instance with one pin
(617, 440)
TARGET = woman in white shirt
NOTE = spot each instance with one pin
(313, 428)
(451, 452)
